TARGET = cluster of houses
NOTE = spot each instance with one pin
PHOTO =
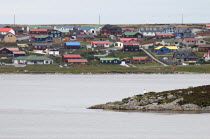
(179, 42)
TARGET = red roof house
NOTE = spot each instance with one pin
(141, 60)
(70, 56)
(38, 31)
(100, 44)
(4, 31)
(128, 39)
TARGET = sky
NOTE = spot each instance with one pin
(111, 11)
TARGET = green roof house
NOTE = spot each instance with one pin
(32, 60)
(114, 60)
(132, 35)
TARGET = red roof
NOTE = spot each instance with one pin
(131, 43)
(140, 58)
(71, 56)
(11, 49)
(207, 25)
(5, 29)
(164, 34)
(130, 29)
(128, 39)
(19, 52)
(39, 29)
(100, 42)
(77, 61)
(191, 39)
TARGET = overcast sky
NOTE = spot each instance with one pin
(112, 11)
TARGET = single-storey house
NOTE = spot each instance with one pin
(170, 42)
(41, 46)
(203, 48)
(128, 39)
(132, 35)
(131, 46)
(193, 41)
(70, 56)
(72, 45)
(42, 38)
(164, 35)
(207, 56)
(100, 44)
(53, 52)
(12, 51)
(141, 60)
(77, 61)
(38, 31)
(110, 61)
(32, 60)
(166, 49)
(111, 30)
(55, 34)
(4, 31)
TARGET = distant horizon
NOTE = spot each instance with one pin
(111, 12)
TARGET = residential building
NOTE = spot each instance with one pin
(110, 61)
(38, 31)
(32, 60)
(111, 30)
(8, 38)
(77, 61)
(164, 35)
(150, 31)
(55, 34)
(193, 41)
(132, 35)
(207, 56)
(183, 55)
(131, 46)
(72, 45)
(41, 46)
(4, 31)
(203, 48)
(141, 60)
(166, 49)
(100, 44)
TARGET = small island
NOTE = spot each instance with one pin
(190, 99)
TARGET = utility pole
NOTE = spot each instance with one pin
(182, 16)
(14, 16)
(99, 17)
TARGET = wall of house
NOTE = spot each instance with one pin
(10, 38)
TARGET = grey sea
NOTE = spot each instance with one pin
(53, 106)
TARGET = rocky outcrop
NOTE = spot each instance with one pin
(191, 99)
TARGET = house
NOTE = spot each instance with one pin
(38, 31)
(97, 57)
(39, 27)
(207, 56)
(64, 27)
(55, 34)
(19, 30)
(203, 48)
(75, 32)
(110, 61)
(128, 39)
(70, 56)
(41, 46)
(77, 61)
(141, 60)
(8, 38)
(207, 26)
(170, 42)
(100, 44)
(88, 30)
(65, 33)
(183, 55)
(164, 35)
(88, 37)
(12, 51)
(193, 41)
(166, 49)
(53, 53)
(150, 31)
(4, 31)
(111, 30)
(32, 60)
(72, 45)
(128, 30)
(131, 46)
(43, 38)
(132, 35)
(183, 32)
(118, 45)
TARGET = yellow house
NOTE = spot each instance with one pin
(165, 49)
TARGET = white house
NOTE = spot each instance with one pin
(53, 52)
(32, 60)
(118, 45)
(104, 44)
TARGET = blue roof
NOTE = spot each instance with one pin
(73, 43)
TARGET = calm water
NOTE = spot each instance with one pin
(54, 107)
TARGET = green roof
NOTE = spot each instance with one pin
(99, 55)
(109, 59)
(130, 33)
(32, 57)
(170, 40)
(38, 26)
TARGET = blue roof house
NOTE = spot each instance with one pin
(72, 45)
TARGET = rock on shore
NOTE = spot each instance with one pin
(191, 99)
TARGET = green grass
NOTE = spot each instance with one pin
(121, 55)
